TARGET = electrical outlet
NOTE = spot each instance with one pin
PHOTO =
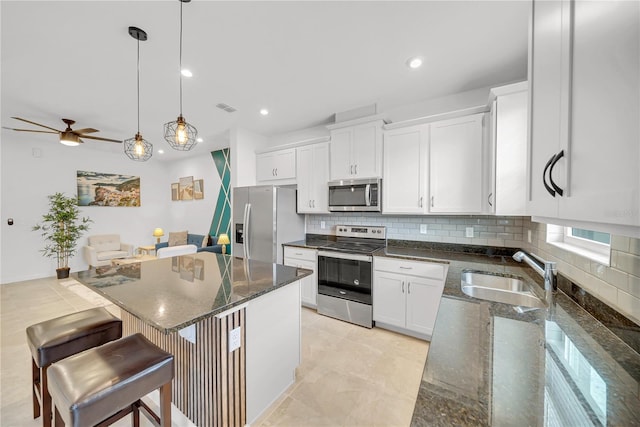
(529, 236)
(423, 228)
(323, 225)
(234, 339)
(469, 232)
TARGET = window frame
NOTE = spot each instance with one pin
(561, 237)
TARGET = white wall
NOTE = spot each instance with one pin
(192, 215)
(26, 181)
(243, 144)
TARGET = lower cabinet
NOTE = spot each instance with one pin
(406, 294)
(304, 258)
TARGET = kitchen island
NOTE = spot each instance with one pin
(233, 326)
(491, 365)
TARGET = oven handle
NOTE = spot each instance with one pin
(344, 255)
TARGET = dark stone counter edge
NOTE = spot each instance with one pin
(302, 273)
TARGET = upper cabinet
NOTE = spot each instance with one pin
(312, 170)
(584, 85)
(458, 171)
(356, 151)
(404, 187)
(279, 165)
(509, 145)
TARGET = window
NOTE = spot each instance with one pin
(594, 245)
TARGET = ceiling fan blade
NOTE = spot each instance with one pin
(37, 124)
(85, 130)
(101, 139)
(29, 130)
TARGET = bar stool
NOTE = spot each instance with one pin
(55, 339)
(101, 385)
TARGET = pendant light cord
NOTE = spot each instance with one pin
(180, 58)
(138, 84)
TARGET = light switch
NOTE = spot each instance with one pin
(234, 339)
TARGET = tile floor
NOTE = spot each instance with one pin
(349, 376)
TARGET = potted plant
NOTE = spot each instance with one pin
(61, 228)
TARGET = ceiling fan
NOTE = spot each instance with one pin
(68, 136)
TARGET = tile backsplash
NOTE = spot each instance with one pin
(617, 285)
(487, 230)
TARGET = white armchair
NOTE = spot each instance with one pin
(101, 249)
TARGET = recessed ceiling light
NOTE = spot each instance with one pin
(186, 73)
(160, 151)
(199, 139)
(264, 111)
(414, 62)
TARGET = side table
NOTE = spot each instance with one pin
(147, 250)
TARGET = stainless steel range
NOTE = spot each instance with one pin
(345, 273)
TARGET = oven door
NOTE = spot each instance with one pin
(344, 275)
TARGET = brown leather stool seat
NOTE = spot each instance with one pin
(55, 339)
(103, 384)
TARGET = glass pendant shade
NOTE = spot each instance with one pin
(180, 135)
(138, 149)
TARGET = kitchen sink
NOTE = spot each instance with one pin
(498, 287)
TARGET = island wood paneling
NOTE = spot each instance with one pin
(209, 386)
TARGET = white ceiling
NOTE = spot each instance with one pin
(302, 60)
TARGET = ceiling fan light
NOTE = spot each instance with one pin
(70, 139)
(138, 149)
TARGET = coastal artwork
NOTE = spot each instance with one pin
(107, 189)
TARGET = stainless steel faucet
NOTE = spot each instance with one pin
(546, 269)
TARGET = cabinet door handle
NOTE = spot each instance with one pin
(403, 287)
(406, 268)
(350, 169)
(276, 171)
(553, 184)
(309, 203)
(409, 287)
(544, 177)
(314, 203)
(489, 199)
(420, 204)
(355, 169)
(431, 201)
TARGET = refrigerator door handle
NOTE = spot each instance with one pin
(247, 216)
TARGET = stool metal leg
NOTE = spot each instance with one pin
(35, 388)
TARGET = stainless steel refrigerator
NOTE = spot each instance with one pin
(264, 217)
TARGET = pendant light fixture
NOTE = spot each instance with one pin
(179, 134)
(137, 148)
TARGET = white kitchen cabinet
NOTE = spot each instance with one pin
(406, 294)
(276, 165)
(356, 151)
(585, 80)
(509, 112)
(304, 258)
(312, 172)
(458, 175)
(404, 187)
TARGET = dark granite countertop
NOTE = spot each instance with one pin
(312, 241)
(173, 293)
(491, 365)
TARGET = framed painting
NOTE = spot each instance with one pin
(186, 188)
(107, 189)
(198, 189)
(175, 191)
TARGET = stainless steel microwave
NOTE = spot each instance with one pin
(357, 195)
